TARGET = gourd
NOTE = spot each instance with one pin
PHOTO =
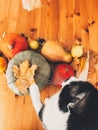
(3, 64)
(53, 51)
(77, 51)
(12, 43)
(41, 75)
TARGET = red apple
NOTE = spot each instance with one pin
(62, 72)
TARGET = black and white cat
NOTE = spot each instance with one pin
(74, 107)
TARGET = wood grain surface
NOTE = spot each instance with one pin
(17, 112)
(62, 20)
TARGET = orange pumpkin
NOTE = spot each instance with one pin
(3, 64)
(13, 43)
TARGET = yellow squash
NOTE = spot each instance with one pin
(53, 51)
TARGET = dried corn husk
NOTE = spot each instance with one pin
(83, 75)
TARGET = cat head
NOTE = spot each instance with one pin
(76, 95)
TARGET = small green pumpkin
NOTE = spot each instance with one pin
(42, 73)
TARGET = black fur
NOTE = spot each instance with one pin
(84, 112)
(41, 113)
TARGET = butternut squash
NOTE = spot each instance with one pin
(53, 51)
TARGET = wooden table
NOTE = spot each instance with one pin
(17, 112)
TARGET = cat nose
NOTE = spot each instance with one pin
(68, 81)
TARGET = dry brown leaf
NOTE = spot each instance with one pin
(96, 66)
(81, 66)
(93, 60)
(24, 67)
(16, 71)
(93, 69)
(22, 85)
(24, 74)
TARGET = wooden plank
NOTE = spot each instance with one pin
(66, 28)
(70, 7)
(83, 14)
(4, 9)
(92, 8)
(62, 20)
(51, 16)
(77, 26)
(85, 39)
(13, 15)
(16, 113)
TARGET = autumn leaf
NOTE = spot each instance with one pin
(24, 74)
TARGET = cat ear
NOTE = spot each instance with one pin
(80, 105)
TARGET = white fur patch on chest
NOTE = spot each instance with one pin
(53, 118)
